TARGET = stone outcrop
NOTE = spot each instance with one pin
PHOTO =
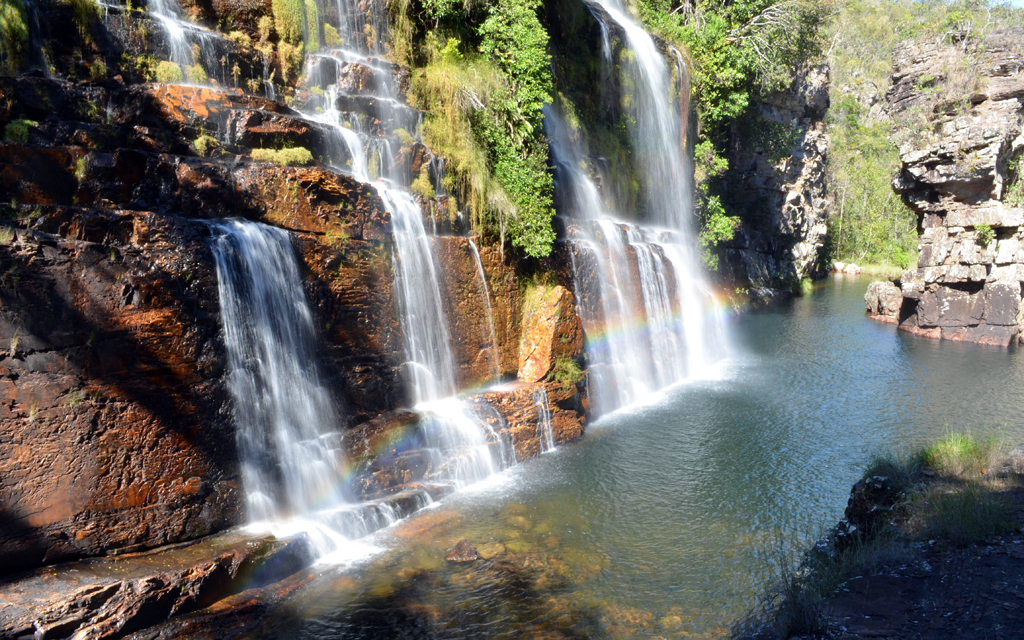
(116, 596)
(963, 106)
(883, 301)
(552, 331)
(781, 200)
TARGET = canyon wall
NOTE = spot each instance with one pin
(777, 188)
(959, 110)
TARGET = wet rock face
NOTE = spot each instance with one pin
(961, 176)
(782, 204)
(115, 432)
(117, 429)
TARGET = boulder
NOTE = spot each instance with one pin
(551, 330)
(883, 301)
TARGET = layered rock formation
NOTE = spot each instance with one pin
(116, 432)
(960, 108)
(777, 178)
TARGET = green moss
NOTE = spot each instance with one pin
(331, 37)
(403, 136)
(168, 73)
(240, 38)
(289, 156)
(205, 145)
(422, 184)
(195, 74)
(17, 130)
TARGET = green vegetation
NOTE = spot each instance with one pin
(17, 130)
(986, 234)
(566, 372)
(485, 80)
(296, 23)
(955, 491)
(289, 156)
(168, 73)
(205, 145)
(13, 35)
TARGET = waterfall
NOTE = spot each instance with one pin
(545, 433)
(493, 357)
(285, 418)
(463, 449)
(651, 321)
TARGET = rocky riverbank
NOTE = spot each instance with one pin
(930, 546)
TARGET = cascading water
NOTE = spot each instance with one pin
(286, 421)
(493, 358)
(362, 120)
(545, 433)
(652, 321)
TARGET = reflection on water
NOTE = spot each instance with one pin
(664, 519)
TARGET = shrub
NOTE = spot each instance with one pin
(565, 372)
(13, 35)
(289, 156)
(195, 74)
(331, 36)
(168, 73)
(17, 130)
(240, 38)
(985, 234)
(98, 69)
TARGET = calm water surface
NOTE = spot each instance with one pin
(666, 519)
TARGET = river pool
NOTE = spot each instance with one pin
(667, 519)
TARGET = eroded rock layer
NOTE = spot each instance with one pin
(961, 110)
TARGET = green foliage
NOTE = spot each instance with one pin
(205, 145)
(985, 234)
(17, 130)
(98, 69)
(289, 156)
(168, 73)
(331, 37)
(870, 223)
(483, 113)
(195, 74)
(566, 372)
(422, 185)
(240, 38)
(13, 35)
(717, 227)
(289, 20)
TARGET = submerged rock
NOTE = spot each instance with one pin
(464, 551)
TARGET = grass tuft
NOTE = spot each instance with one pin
(289, 156)
(960, 454)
